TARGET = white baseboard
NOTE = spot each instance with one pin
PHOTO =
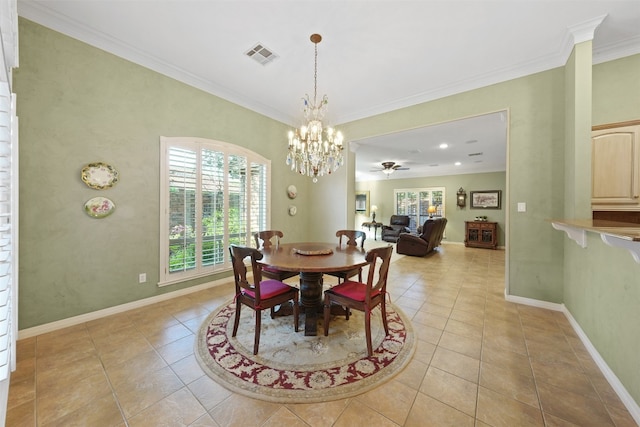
(76, 320)
(618, 387)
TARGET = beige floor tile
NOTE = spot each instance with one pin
(187, 369)
(178, 349)
(322, 414)
(103, 412)
(393, 400)
(427, 333)
(429, 412)
(178, 409)
(58, 380)
(135, 368)
(464, 329)
(137, 345)
(500, 411)
(451, 390)
(359, 415)
(23, 415)
(413, 374)
(457, 364)
(510, 382)
(284, 417)
(208, 392)
(563, 377)
(468, 346)
(136, 396)
(578, 409)
(21, 392)
(204, 421)
(239, 410)
(428, 319)
(513, 361)
(52, 407)
(164, 336)
(468, 317)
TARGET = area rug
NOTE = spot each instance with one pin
(293, 368)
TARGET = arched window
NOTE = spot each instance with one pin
(212, 194)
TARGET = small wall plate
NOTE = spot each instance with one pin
(292, 191)
(292, 210)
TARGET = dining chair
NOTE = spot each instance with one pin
(351, 238)
(260, 294)
(264, 240)
(363, 296)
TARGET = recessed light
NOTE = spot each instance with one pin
(444, 145)
(457, 163)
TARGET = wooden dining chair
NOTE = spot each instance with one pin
(266, 239)
(363, 296)
(351, 238)
(259, 294)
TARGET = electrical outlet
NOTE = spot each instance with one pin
(142, 277)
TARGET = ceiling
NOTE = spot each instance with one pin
(375, 57)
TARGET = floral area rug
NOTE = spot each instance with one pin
(293, 368)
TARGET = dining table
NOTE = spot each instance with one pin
(311, 260)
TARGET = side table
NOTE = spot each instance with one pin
(375, 226)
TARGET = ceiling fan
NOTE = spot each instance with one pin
(390, 167)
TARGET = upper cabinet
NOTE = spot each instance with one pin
(616, 167)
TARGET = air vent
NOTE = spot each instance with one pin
(433, 165)
(471, 141)
(261, 54)
(475, 154)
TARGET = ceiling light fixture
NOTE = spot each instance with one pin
(313, 149)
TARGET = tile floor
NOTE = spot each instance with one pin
(480, 361)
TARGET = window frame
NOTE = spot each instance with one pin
(416, 220)
(198, 145)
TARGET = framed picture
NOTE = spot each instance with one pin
(362, 203)
(486, 199)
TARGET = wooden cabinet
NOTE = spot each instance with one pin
(481, 234)
(615, 167)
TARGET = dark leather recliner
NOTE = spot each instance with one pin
(420, 245)
(397, 224)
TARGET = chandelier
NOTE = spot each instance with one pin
(315, 150)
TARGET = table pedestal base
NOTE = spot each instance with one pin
(311, 301)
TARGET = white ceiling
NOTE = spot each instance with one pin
(375, 56)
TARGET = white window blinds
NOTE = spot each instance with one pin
(213, 194)
(8, 231)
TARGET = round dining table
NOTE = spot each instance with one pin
(311, 260)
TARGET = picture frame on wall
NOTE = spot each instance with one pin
(362, 203)
(491, 199)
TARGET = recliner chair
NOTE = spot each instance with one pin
(419, 245)
(397, 224)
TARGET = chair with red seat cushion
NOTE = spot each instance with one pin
(363, 296)
(351, 238)
(261, 294)
(263, 240)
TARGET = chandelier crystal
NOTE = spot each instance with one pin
(315, 150)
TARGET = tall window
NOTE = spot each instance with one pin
(212, 194)
(415, 203)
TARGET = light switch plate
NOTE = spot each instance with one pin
(522, 207)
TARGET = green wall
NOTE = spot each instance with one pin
(381, 194)
(535, 168)
(78, 104)
(602, 283)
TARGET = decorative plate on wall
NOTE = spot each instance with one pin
(99, 175)
(292, 191)
(99, 207)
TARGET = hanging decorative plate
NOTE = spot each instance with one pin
(99, 175)
(99, 207)
(292, 191)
